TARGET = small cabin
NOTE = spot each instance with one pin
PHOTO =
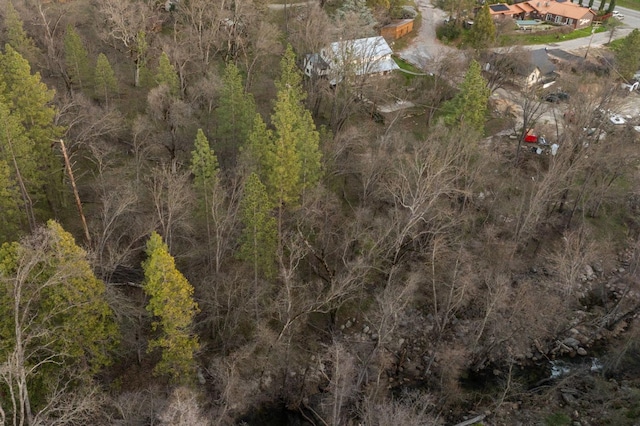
(397, 29)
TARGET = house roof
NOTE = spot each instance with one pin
(316, 61)
(398, 23)
(564, 9)
(367, 55)
(361, 48)
(525, 7)
(500, 7)
(509, 9)
(536, 59)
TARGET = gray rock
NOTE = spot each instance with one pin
(588, 270)
(569, 399)
(571, 342)
(348, 324)
(582, 351)
(366, 329)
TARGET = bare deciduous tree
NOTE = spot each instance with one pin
(172, 199)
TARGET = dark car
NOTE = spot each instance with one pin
(556, 97)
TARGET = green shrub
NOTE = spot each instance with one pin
(557, 419)
(448, 32)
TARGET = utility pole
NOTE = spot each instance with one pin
(593, 30)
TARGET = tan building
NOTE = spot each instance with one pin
(397, 29)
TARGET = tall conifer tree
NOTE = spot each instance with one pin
(16, 35)
(469, 106)
(76, 58)
(104, 79)
(236, 109)
(259, 235)
(166, 74)
(28, 129)
(173, 308)
(483, 31)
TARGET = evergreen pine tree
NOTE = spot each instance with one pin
(483, 31)
(173, 308)
(469, 106)
(16, 35)
(628, 55)
(204, 166)
(259, 235)
(294, 162)
(9, 204)
(29, 130)
(76, 58)
(236, 109)
(104, 79)
(166, 74)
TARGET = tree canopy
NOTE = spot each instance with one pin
(483, 30)
(469, 105)
(173, 308)
(55, 325)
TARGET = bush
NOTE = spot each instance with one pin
(448, 32)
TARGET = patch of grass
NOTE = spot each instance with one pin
(616, 44)
(532, 38)
(629, 4)
(557, 419)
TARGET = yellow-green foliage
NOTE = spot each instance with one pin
(166, 74)
(27, 123)
(52, 311)
(172, 305)
(288, 157)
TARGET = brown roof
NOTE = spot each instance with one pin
(525, 7)
(511, 9)
(565, 9)
(398, 23)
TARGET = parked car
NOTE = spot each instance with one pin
(556, 97)
(618, 15)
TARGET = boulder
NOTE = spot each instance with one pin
(571, 342)
(588, 270)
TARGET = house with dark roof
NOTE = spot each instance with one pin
(536, 68)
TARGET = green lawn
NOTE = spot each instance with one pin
(532, 38)
(629, 4)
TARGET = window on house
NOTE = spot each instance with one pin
(558, 19)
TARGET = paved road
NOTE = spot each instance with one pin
(425, 49)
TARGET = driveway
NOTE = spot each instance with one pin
(425, 48)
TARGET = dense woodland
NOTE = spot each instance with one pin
(194, 233)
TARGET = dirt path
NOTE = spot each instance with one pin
(425, 49)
